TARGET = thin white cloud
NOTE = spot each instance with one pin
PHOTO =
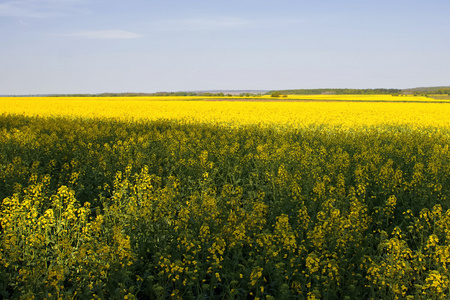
(38, 8)
(225, 23)
(103, 34)
(21, 9)
(194, 24)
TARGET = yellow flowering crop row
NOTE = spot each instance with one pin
(297, 114)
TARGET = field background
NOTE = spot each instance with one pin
(194, 198)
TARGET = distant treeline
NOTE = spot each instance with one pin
(129, 94)
(442, 91)
(429, 90)
(338, 91)
(142, 94)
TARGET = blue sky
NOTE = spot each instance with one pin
(81, 46)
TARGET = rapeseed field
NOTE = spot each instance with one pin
(163, 199)
(348, 111)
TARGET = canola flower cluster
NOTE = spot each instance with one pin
(101, 208)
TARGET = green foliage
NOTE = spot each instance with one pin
(164, 209)
(275, 94)
(338, 91)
